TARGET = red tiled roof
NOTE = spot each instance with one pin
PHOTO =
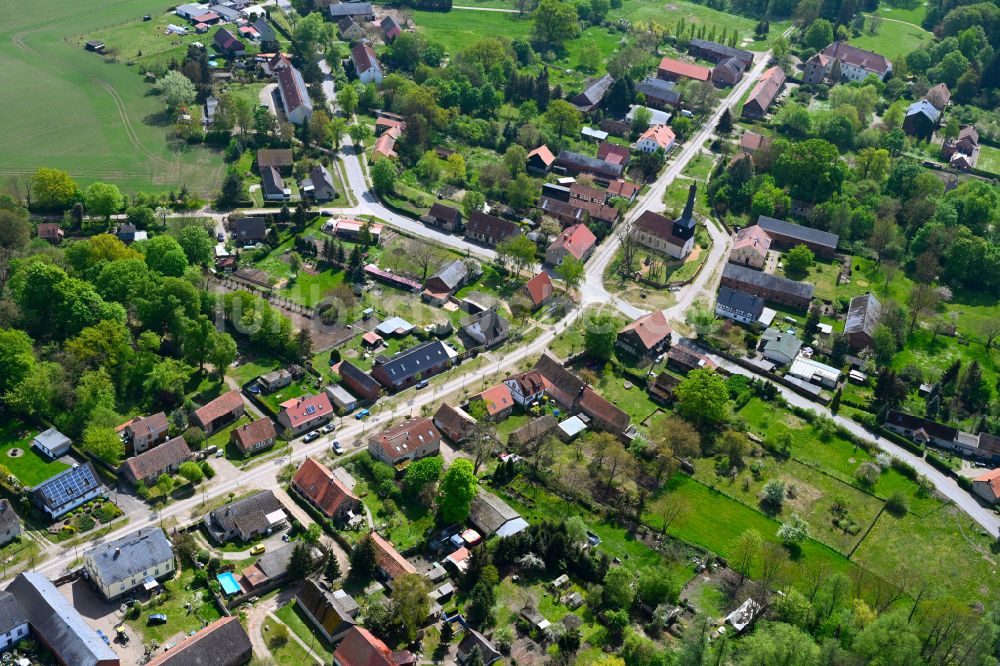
(539, 288)
(221, 406)
(319, 484)
(607, 151)
(249, 434)
(651, 328)
(409, 435)
(623, 188)
(496, 398)
(993, 479)
(686, 69)
(543, 154)
(298, 412)
(363, 57)
(661, 134)
(361, 648)
(753, 237)
(595, 405)
(157, 459)
(389, 559)
(225, 636)
(49, 230)
(577, 240)
(753, 141)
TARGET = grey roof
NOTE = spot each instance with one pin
(351, 9)
(863, 315)
(132, 554)
(8, 518)
(659, 89)
(489, 513)
(722, 50)
(156, 459)
(67, 486)
(415, 360)
(275, 562)
(589, 163)
(741, 301)
(345, 24)
(452, 273)
(783, 343)
(250, 228)
(264, 29)
(271, 181)
(446, 213)
(54, 620)
(924, 107)
(767, 281)
(594, 92)
(797, 231)
(534, 430)
(491, 226)
(222, 643)
(52, 439)
(358, 376)
(11, 613)
(322, 182)
(248, 514)
(491, 324)
(474, 639)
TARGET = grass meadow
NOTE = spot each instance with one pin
(893, 38)
(989, 159)
(76, 111)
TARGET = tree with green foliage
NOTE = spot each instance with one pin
(571, 270)
(472, 202)
(198, 246)
(17, 358)
(190, 471)
(556, 22)
(410, 603)
(812, 170)
(222, 354)
(165, 256)
(618, 589)
(479, 609)
(725, 124)
(301, 563)
(702, 398)
(360, 134)
(384, 176)
(231, 192)
(599, 335)
(103, 199)
(745, 553)
(164, 484)
(797, 261)
(53, 189)
(421, 473)
(561, 116)
(176, 90)
(793, 531)
(818, 35)
(779, 643)
(457, 490)
(331, 571)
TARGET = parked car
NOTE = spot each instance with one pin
(285, 537)
(157, 618)
(362, 414)
(221, 236)
(338, 448)
(254, 388)
(327, 429)
(258, 549)
(421, 384)
(314, 435)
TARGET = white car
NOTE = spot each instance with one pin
(314, 435)
(327, 429)
(338, 448)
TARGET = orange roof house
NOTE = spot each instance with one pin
(498, 401)
(317, 484)
(538, 289)
(647, 336)
(671, 70)
(390, 562)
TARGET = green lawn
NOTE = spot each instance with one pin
(893, 39)
(989, 159)
(303, 628)
(914, 14)
(823, 274)
(30, 468)
(179, 619)
(293, 390)
(457, 29)
(251, 367)
(118, 131)
(698, 15)
(634, 401)
(291, 653)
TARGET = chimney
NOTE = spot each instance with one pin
(118, 551)
(689, 207)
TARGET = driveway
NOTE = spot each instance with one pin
(100, 614)
(267, 94)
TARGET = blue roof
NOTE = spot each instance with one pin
(924, 107)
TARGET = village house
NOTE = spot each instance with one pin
(716, 52)
(67, 490)
(657, 137)
(612, 152)
(939, 96)
(921, 120)
(646, 337)
(249, 230)
(487, 329)
(577, 211)
(412, 365)
(332, 613)
(273, 185)
(814, 372)
(52, 443)
(319, 185)
(349, 29)
(491, 515)
(661, 390)
(767, 286)
(752, 143)
(219, 412)
(359, 11)
(275, 380)
(385, 144)
(50, 231)
(576, 163)
(472, 642)
(145, 432)
(527, 387)
(445, 282)
(683, 359)
(454, 423)
(318, 486)
(674, 70)
(750, 247)
(496, 400)
(728, 72)
(391, 565)
(305, 413)
(593, 94)
(779, 347)
(624, 189)
(863, 317)
(574, 394)
(358, 382)
(738, 305)
(489, 229)
(164, 459)
(987, 486)
(853, 63)
(390, 30)
(265, 33)
(255, 436)
(226, 43)
(342, 399)
(366, 65)
(10, 529)
(538, 290)
(533, 432)
(222, 643)
(137, 559)
(659, 93)
(445, 217)
(674, 238)
(788, 234)
(13, 621)
(576, 241)
(408, 441)
(540, 160)
(247, 518)
(56, 624)
(764, 93)
(961, 152)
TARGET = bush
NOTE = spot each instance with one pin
(773, 493)
(278, 637)
(207, 469)
(938, 463)
(904, 468)
(85, 523)
(897, 504)
(867, 474)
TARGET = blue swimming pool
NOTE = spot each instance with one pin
(229, 584)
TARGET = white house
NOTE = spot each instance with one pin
(52, 443)
(13, 621)
(366, 64)
(987, 486)
(738, 305)
(294, 95)
(135, 560)
(657, 137)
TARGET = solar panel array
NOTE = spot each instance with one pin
(69, 485)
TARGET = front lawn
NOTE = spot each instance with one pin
(289, 654)
(892, 39)
(179, 592)
(989, 159)
(293, 618)
(253, 366)
(30, 467)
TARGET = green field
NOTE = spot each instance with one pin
(75, 111)
(989, 159)
(301, 627)
(893, 39)
(914, 14)
(30, 468)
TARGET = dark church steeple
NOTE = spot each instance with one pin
(684, 226)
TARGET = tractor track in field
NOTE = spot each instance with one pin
(18, 40)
